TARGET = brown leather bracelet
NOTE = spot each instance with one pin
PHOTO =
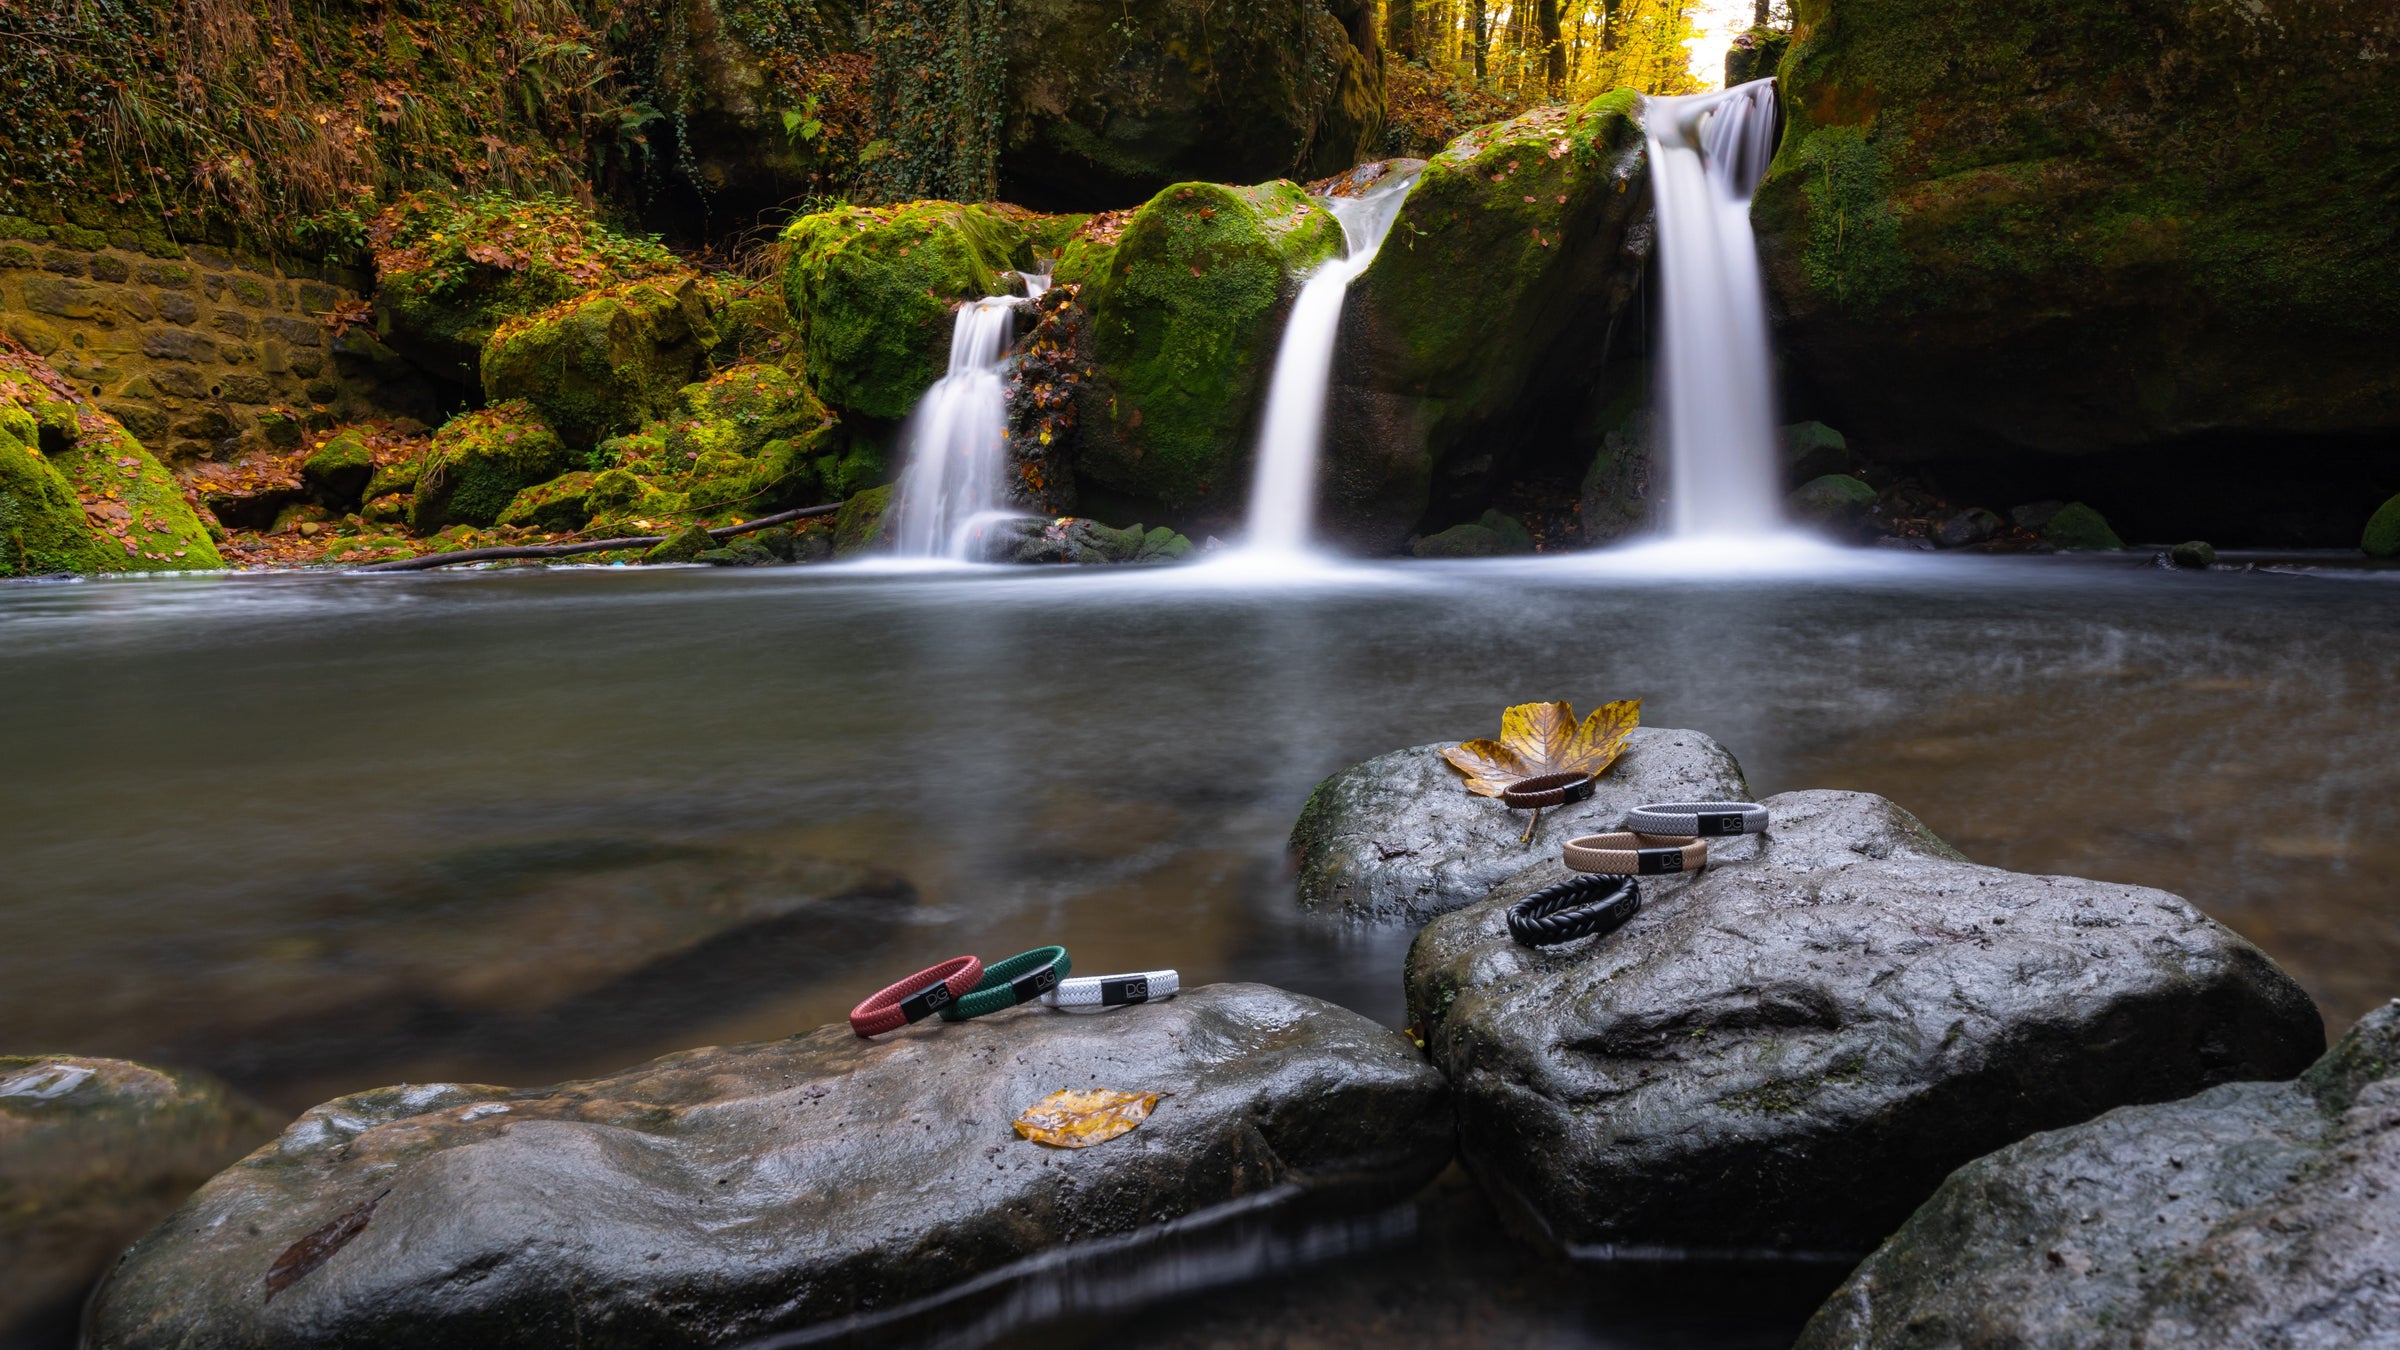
(1636, 855)
(1546, 789)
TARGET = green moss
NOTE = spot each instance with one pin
(748, 440)
(2382, 537)
(2077, 526)
(1853, 250)
(605, 361)
(450, 270)
(478, 464)
(1831, 499)
(78, 493)
(563, 503)
(859, 528)
(871, 291)
(340, 469)
(1183, 327)
(684, 545)
(42, 527)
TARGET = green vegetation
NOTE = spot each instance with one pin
(77, 492)
(2382, 537)
(604, 361)
(478, 464)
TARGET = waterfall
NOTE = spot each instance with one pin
(1283, 491)
(954, 477)
(1716, 391)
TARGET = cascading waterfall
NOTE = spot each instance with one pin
(1283, 493)
(956, 439)
(1716, 391)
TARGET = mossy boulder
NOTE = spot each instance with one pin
(338, 471)
(563, 503)
(1185, 313)
(1837, 502)
(2067, 227)
(860, 527)
(78, 493)
(1105, 106)
(749, 439)
(1484, 321)
(1492, 536)
(605, 361)
(871, 291)
(478, 464)
(2076, 526)
(450, 269)
(2382, 537)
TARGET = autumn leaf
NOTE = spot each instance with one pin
(1082, 1117)
(1537, 738)
(318, 1247)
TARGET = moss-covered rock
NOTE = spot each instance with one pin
(860, 527)
(1756, 54)
(563, 503)
(78, 493)
(1108, 105)
(2076, 526)
(1184, 316)
(605, 361)
(478, 464)
(871, 291)
(2061, 226)
(2382, 537)
(1485, 318)
(1494, 535)
(749, 439)
(338, 471)
(684, 545)
(449, 270)
(1838, 502)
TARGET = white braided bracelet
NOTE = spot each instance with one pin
(1697, 820)
(1098, 993)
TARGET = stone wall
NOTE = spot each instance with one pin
(200, 354)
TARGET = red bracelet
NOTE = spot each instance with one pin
(919, 996)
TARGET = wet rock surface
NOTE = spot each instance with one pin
(2252, 1214)
(1792, 1049)
(717, 1194)
(1399, 837)
(92, 1153)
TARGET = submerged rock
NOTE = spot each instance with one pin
(2060, 227)
(478, 464)
(714, 1195)
(1399, 837)
(93, 1152)
(1491, 300)
(2255, 1214)
(1186, 307)
(604, 361)
(1792, 1048)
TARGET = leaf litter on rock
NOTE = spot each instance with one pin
(1082, 1117)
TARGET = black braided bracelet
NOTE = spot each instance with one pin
(1577, 907)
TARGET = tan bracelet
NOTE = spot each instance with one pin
(1636, 855)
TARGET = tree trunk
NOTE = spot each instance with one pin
(1554, 50)
(1400, 28)
(1482, 36)
(1611, 12)
(1758, 14)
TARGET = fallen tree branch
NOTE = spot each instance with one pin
(427, 561)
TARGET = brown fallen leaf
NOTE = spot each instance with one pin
(1538, 738)
(1082, 1117)
(318, 1247)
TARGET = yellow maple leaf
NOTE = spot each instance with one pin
(1082, 1117)
(1537, 738)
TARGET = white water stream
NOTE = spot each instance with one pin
(1716, 384)
(952, 482)
(1283, 491)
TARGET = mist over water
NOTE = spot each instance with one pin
(1716, 380)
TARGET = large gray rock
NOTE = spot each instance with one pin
(2255, 1214)
(1399, 837)
(712, 1195)
(1794, 1047)
(92, 1153)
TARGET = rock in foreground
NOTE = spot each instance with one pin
(1398, 837)
(92, 1153)
(2252, 1214)
(1793, 1048)
(713, 1195)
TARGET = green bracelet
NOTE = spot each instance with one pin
(1019, 979)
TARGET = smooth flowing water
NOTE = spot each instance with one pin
(1716, 381)
(954, 459)
(1283, 489)
(318, 833)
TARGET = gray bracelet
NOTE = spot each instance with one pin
(1095, 993)
(1700, 820)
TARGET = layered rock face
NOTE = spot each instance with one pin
(2252, 1214)
(1792, 1048)
(92, 1153)
(2072, 228)
(1487, 314)
(1399, 837)
(707, 1197)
